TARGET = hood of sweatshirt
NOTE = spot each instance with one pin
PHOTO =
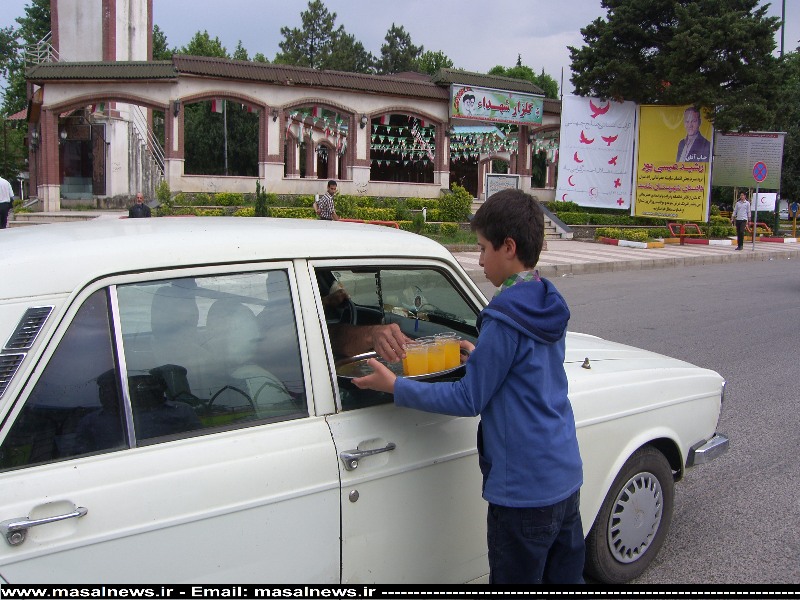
(535, 308)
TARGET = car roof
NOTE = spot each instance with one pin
(59, 258)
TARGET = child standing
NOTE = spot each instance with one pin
(515, 380)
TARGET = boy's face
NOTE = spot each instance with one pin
(332, 189)
(500, 264)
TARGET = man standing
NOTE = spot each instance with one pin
(324, 206)
(741, 214)
(6, 195)
(139, 210)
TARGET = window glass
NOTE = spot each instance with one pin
(74, 408)
(209, 353)
(422, 302)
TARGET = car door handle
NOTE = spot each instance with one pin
(350, 458)
(15, 530)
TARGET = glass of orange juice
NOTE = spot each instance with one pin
(436, 358)
(452, 349)
(416, 360)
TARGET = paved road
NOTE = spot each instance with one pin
(567, 257)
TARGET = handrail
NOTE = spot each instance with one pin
(147, 137)
(42, 51)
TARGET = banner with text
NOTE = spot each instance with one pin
(595, 167)
(498, 106)
(673, 163)
(735, 154)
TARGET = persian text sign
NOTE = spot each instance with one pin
(595, 164)
(672, 177)
(735, 154)
(483, 104)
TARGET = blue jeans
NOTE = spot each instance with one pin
(536, 545)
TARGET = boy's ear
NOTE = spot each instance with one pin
(510, 247)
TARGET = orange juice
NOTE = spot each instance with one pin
(452, 350)
(452, 354)
(436, 359)
(416, 362)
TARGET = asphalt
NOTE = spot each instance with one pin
(565, 258)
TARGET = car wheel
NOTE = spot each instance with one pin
(633, 522)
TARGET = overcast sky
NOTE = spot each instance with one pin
(475, 35)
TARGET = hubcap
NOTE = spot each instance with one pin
(635, 517)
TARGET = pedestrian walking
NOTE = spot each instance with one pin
(6, 198)
(740, 216)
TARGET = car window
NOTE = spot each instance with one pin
(75, 407)
(423, 302)
(210, 353)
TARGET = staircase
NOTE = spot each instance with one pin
(553, 228)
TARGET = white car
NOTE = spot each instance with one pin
(172, 411)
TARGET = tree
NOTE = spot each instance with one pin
(789, 121)
(348, 54)
(430, 62)
(398, 54)
(711, 53)
(161, 49)
(548, 85)
(240, 53)
(311, 45)
(202, 45)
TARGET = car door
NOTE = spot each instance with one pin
(412, 510)
(149, 446)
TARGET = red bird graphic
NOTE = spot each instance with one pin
(584, 139)
(597, 110)
(575, 157)
(613, 161)
(610, 139)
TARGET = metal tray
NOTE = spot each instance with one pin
(356, 366)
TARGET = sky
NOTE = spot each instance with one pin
(476, 36)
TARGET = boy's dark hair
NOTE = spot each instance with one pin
(512, 214)
(332, 182)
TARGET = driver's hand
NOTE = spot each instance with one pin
(388, 341)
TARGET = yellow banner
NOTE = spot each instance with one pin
(674, 163)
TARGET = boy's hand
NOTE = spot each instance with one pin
(381, 379)
(467, 348)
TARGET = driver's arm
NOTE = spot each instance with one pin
(386, 340)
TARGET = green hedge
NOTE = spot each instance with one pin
(292, 212)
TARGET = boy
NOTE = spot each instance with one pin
(324, 206)
(515, 379)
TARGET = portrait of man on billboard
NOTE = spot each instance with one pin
(693, 147)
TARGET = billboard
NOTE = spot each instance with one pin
(673, 163)
(595, 166)
(735, 154)
(498, 106)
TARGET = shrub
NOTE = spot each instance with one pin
(562, 207)
(430, 228)
(209, 212)
(294, 212)
(228, 199)
(407, 226)
(721, 230)
(247, 211)
(260, 209)
(574, 218)
(448, 229)
(420, 203)
(373, 214)
(202, 199)
(607, 232)
(456, 205)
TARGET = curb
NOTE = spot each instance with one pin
(629, 243)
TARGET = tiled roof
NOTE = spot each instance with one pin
(457, 76)
(435, 88)
(289, 75)
(60, 71)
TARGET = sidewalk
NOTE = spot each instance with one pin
(568, 257)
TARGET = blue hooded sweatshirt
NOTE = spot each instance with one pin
(515, 380)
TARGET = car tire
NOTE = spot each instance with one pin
(634, 519)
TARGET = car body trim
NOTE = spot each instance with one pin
(707, 450)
